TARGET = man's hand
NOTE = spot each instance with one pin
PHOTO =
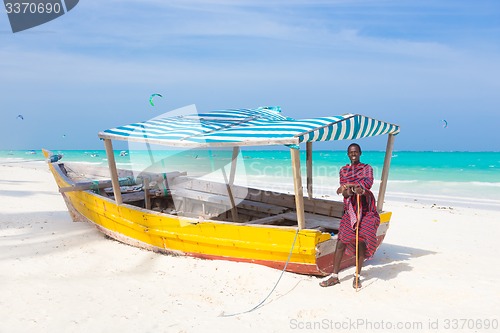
(358, 190)
(347, 190)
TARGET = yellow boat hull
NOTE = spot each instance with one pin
(304, 251)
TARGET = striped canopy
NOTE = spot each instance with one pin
(262, 126)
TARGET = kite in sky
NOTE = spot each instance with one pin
(445, 123)
(20, 116)
(151, 98)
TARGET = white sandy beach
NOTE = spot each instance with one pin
(437, 271)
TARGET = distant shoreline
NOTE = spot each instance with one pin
(430, 193)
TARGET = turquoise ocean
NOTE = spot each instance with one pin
(441, 178)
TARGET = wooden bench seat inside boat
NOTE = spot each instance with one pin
(225, 200)
(313, 221)
(129, 196)
(315, 206)
(135, 196)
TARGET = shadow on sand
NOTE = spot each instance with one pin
(43, 234)
(38, 234)
(390, 260)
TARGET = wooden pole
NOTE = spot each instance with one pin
(297, 184)
(112, 169)
(358, 209)
(309, 169)
(236, 151)
(234, 210)
(147, 199)
(385, 172)
(229, 183)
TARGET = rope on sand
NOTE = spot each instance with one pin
(275, 285)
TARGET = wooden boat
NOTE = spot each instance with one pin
(176, 213)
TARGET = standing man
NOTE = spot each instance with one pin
(355, 179)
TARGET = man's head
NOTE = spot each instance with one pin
(354, 152)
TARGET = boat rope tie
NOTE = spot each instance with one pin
(275, 285)
(165, 190)
(95, 186)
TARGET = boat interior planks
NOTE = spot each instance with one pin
(190, 197)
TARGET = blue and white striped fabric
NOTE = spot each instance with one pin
(248, 127)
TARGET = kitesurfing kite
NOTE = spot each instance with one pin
(20, 116)
(445, 123)
(151, 98)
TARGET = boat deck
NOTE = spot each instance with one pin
(189, 197)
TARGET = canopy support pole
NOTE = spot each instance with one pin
(229, 182)
(385, 172)
(309, 169)
(234, 210)
(236, 151)
(232, 172)
(297, 184)
(112, 169)
(147, 198)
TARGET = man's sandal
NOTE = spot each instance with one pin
(333, 280)
(354, 283)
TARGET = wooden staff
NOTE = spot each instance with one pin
(357, 240)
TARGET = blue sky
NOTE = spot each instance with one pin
(413, 63)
